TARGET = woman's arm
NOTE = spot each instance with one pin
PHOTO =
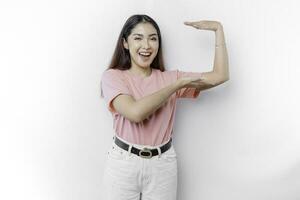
(138, 110)
(220, 72)
(221, 57)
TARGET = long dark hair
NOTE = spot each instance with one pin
(121, 57)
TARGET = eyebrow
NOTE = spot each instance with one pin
(142, 34)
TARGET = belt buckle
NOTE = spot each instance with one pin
(147, 151)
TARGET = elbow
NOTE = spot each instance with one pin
(220, 81)
(134, 119)
(223, 79)
(139, 116)
(137, 120)
(136, 116)
(226, 79)
(131, 115)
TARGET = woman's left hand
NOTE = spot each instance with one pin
(205, 25)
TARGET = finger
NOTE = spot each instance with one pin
(194, 26)
(190, 24)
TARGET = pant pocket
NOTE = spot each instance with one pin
(116, 153)
(119, 167)
(170, 155)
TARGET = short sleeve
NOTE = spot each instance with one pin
(187, 92)
(113, 83)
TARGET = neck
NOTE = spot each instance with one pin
(144, 72)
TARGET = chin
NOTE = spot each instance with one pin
(145, 65)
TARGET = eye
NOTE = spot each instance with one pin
(153, 39)
(137, 38)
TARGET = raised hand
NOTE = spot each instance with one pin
(205, 25)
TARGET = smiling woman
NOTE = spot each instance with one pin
(141, 96)
(143, 47)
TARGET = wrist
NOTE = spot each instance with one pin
(220, 45)
(178, 84)
(219, 27)
(220, 39)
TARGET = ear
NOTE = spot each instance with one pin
(125, 44)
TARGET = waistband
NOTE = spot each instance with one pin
(142, 146)
(143, 152)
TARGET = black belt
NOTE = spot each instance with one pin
(145, 152)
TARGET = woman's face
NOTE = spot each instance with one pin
(142, 40)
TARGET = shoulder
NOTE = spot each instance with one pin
(111, 73)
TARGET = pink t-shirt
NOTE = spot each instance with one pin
(158, 127)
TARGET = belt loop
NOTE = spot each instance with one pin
(114, 142)
(159, 152)
(129, 149)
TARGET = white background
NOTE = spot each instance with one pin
(238, 141)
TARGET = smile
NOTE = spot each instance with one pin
(146, 54)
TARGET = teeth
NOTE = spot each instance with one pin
(145, 54)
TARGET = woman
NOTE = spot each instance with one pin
(141, 96)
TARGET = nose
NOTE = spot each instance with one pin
(146, 44)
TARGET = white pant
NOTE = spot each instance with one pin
(130, 177)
